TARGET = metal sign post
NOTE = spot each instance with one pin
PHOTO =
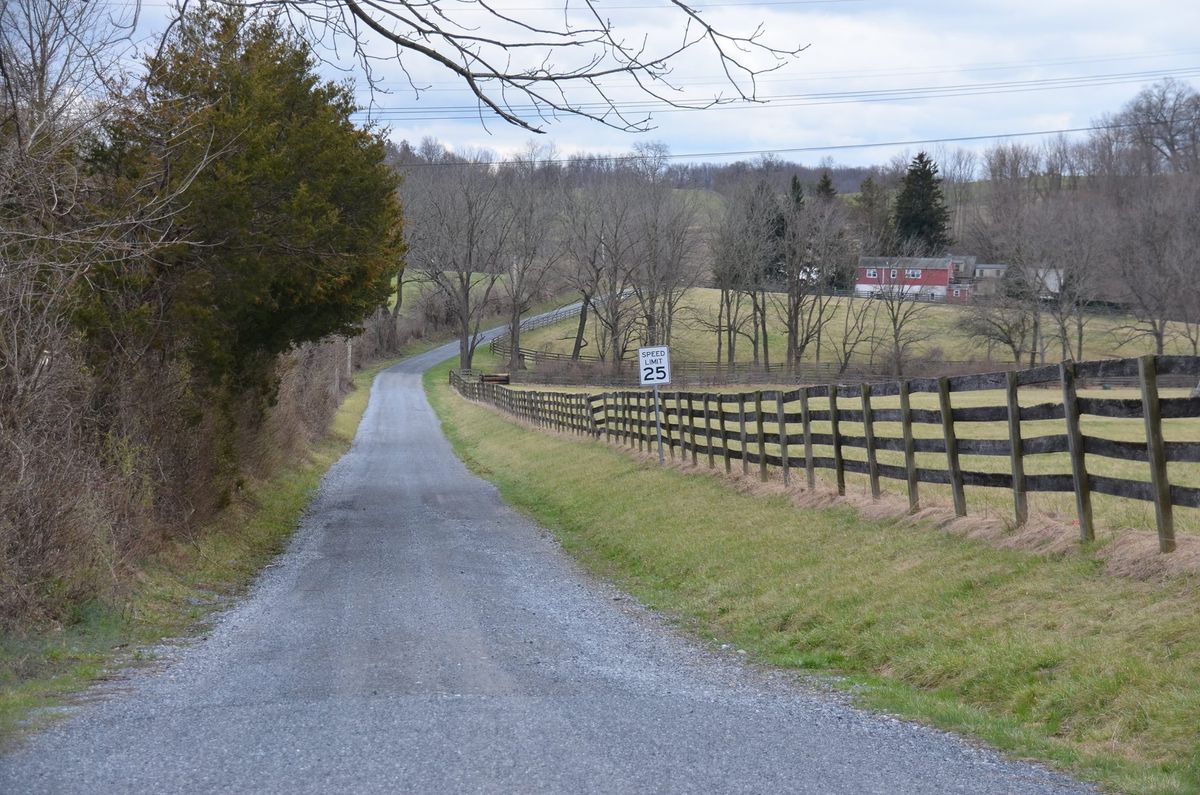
(654, 368)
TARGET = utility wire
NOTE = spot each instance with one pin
(803, 149)
(461, 112)
(433, 86)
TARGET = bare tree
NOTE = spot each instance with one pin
(958, 168)
(458, 230)
(745, 244)
(815, 251)
(603, 243)
(534, 244)
(666, 235)
(528, 69)
(1163, 123)
(1002, 231)
(58, 227)
(1152, 244)
(1004, 320)
(901, 317)
(859, 326)
(58, 69)
(902, 321)
(1072, 234)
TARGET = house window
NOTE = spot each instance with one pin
(893, 273)
(872, 273)
(912, 273)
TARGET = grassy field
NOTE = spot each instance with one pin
(175, 590)
(691, 342)
(1041, 656)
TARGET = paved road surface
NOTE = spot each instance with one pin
(419, 636)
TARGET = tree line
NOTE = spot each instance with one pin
(1103, 223)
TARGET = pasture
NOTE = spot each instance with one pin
(1105, 336)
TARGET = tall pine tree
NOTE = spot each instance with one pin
(921, 217)
(871, 210)
(825, 189)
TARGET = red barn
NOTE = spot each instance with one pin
(933, 278)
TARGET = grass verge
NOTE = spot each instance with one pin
(176, 589)
(1041, 657)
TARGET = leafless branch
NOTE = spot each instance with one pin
(529, 73)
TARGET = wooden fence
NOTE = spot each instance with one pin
(766, 429)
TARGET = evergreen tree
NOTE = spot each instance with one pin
(921, 216)
(871, 210)
(287, 223)
(796, 192)
(825, 189)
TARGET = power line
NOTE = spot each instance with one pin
(465, 112)
(806, 149)
(432, 86)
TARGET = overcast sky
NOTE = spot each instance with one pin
(965, 69)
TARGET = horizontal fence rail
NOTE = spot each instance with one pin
(779, 430)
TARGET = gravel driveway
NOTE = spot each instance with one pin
(419, 636)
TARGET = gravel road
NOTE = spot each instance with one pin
(419, 636)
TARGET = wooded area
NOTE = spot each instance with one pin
(185, 254)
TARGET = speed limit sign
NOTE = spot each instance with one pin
(654, 366)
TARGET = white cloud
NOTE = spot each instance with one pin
(874, 46)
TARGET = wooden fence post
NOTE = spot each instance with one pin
(839, 466)
(762, 436)
(1083, 489)
(630, 439)
(810, 472)
(869, 432)
(692, 426)
(676, 426)
(708, 439)
(641, 423)
(1016, 444)
(742, 432)
(626, 437)
(956, 477)
(910, 449)
(781, 423)
(724, 441)
(1152, 413)
(679, 426)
